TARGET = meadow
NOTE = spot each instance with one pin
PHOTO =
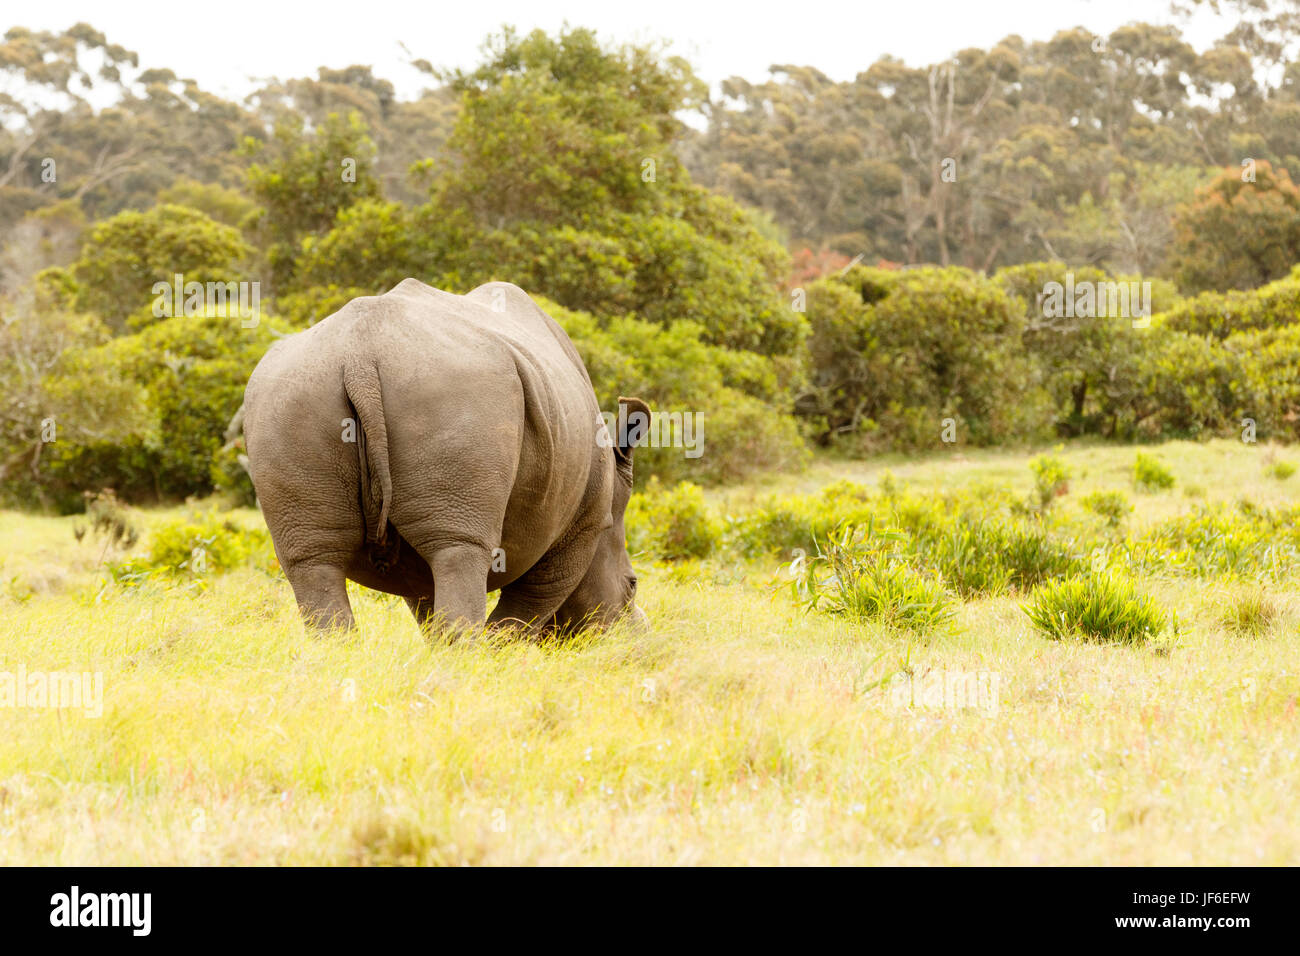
(749, 725)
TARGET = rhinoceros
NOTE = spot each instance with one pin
(438, 447)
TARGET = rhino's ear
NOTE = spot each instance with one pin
(633, 426)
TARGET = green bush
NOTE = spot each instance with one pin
(853, 577)
(1188, 386)
(1281, 470)
(1114, 506)
(192, 372)
(1216, 539)
(1090, 367)
(1101, 608)
(672, 525)
(894, 354)
(1051, 480)
(968, 558)
(196, 547)
(1149, 474)
(989, 557)
(125, 255)
(678, 373)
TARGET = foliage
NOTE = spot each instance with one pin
(191, 373)
(1239, 232)
(1101, 608)
(855, 575)
(680, 374)
(589, 205)
(52, 405)
(1222, 313)
(1215, 539)
(1051, 480)
(302, 181)
(1149, 474)
(195, 547)
(894, 356)
(1111, 505)
(671, 524)
(126, 255)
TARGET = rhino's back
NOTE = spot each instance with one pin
(419, 331)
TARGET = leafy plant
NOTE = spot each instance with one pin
(672, 524)
(1051, 480)
(1150, 474)
(194, 548)
(856, 577)
(1114, 506)
(1100, 608)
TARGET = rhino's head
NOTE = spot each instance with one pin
(608, 591)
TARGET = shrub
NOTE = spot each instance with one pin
(230, 476)
(980, 557)
(1112, 505)
(1033, 555)
(1090, 367)
(673, 525)
(968, 559)
(1188, 386)
(109, 520)
(1248, 612)
(1221, 314)
(1214, 540)
(192, 371)
(676, 371)
(1281, 470)
(852, 578)
(1101, 608)
(1149, 474)
(1051, 480)
(125, 255)
(196, 547)
(893, 354)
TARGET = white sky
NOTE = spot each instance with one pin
(227, 45)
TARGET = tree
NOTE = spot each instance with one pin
(303, 180)
(1240, 232)
(126, 255)
(562, 176)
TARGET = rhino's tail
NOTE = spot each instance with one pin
(361, 382)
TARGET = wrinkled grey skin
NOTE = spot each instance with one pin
(477, 429)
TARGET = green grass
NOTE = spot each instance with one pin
(740, 729)
(1099, 607)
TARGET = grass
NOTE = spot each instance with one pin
(1099, 608)
(740, 729)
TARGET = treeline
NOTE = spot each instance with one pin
(563, 166)
(1078, 148)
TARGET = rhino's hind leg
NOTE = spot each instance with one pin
(322, 594)
(459, 588)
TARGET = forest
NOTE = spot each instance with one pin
(855, 266)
